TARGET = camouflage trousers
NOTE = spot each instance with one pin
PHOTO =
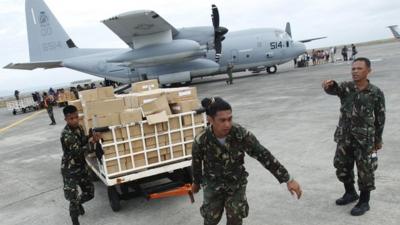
(234, 202)
(348, 154)
(51, 115)
(71, 192)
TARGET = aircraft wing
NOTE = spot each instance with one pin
(34, 65)
(141, 28)
(311, 39)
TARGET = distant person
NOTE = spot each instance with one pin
(344, 53)
(75, 144)
(48, 105)
(353, 52)
(359, 133)
(79, 88)
(101, 84)
(332, 53)
(314, 57)
(75, 92)
(218, 165)
(52, 92)
(16, 94)
(34, 97)
(87, 87)
(229, 71)
(93, 86)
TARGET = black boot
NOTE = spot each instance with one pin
(349, 196)
(362, 205)
(75, 220)
(81, 210)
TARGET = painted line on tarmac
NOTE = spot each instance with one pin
(20, 121)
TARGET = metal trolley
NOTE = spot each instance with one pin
(167, 163)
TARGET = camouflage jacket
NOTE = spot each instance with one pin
(362, 113)
(220, 165)
(74, 144)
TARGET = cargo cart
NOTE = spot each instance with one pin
(22, 106)
(140, 155)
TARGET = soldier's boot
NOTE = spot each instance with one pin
(349, 196)
(75, 220)
(362, 205)
(81, 210)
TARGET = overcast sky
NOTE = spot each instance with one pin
(343, 21)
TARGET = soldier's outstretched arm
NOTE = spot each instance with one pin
(197, 168)
(264, 156)
(331, 87)
(380, 117)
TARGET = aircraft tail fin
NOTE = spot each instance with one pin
(48, 41)
(395, 31)
(288, 29)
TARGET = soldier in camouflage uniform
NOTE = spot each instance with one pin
(359, 133)
(218, 165)
(73, 165)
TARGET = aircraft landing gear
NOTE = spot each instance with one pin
(271, 69)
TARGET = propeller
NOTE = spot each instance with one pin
(219, 32)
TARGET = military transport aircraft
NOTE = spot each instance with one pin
(156, 48)
(395, 31)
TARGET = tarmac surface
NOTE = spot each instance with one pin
(288, 112)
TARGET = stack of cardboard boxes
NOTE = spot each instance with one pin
(66, 96)
(148, 124)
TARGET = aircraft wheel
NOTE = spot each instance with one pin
(113, 197)
(272, 69)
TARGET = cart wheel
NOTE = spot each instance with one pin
(113, 197)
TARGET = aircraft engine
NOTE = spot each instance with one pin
(175, 51)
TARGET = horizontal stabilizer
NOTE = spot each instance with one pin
(35, 65)
(395, 31)
(311, 39)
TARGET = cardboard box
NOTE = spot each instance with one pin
(131, 101)
(157, 118)
(139, 161)
(77, 104)
(174, 124)
(134, 131)
(189, 135)
(176, 138)
(150, 129)
(175, 95)
(104, 93)
(129, 116)
(146, 85)
(103, 107)
(185, 106)
(187, 120)
(112, 165)
(155, 106)
(107, 136)
(111, 151)
(151, 142)
(137, 146)
(188, 148)
(148, 96)
(105, 120)
(88, 95)
(87, 124)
